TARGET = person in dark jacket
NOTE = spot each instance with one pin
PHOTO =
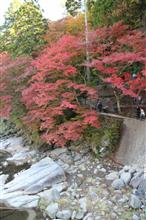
(99, 106)
(138, 111)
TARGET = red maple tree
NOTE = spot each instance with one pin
(119, 56)
(53, 97)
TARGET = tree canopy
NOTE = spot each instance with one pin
(24, 29)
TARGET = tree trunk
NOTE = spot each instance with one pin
(118, 102)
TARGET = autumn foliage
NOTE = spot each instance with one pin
(13, 78)
(53, 97)
(52, 87)
(119, 56)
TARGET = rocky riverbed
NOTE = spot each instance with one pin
(68, 184)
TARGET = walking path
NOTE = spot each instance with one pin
(132, 148)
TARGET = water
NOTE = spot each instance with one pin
(15, 214)
(7, 213)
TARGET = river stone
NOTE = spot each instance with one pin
(3, 179)
(141, 190)
(83, 204)
(88, 217)
(3, 155)
(23, 201)
(21, 157)
(40, 175)
(135, 202)
(136, 217)
(136, 180)
(112, 176)
(52, 209)
(80, 214)
(50, 195)
(60, 186)
(64, 214)
(118, 184)
(126, 177)
(12, 145)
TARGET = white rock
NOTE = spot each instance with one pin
(118, 184)
(12, 145)
(3, 179)
(80, 214)
(73, 215)
(83, 204)
(126, 177)
(112, 176)
(43, 174)
(64, 214)
(50, 195)
(60, 186)
(135, 202)
(23, 201)
(52, 209)
(21, 157)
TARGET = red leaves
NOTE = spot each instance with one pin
(52, 97)
(123, 57)
(120, 52)
(5, 106)
(90, 118)
(65, 104)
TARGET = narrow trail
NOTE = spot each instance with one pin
(132, 147)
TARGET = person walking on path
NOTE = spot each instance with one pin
(138, 111)
(142, 114)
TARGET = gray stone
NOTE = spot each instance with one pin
(135, 202)
(3, 179)
(60, 186)
(80, 214)
(64, 214)
(43, 174)
(126, 177)
(12, 145)
(52, 209)
(83, 204)
(50, 195)
(23, 201)
(73, 215)
(97, 218)
(21, 157)
(141, 190)
(118, 184)
(136, 217)
(126, 168)
(112, 176)
(88, 217)
(135, 181)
